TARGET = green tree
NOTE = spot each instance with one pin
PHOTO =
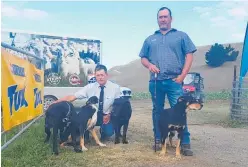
(216, 55)
(231, 54)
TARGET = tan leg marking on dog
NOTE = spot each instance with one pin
(93, 132)
(178, 154)
(62, 144)
(88, 123)
(69, 139)
(82, 144)
(164, 150)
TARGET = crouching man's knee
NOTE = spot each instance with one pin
(107, 130)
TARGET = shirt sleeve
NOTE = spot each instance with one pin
(144, 52)
(187, 45)
(117, 92)
(82, 93)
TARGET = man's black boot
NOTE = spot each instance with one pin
(186, 150)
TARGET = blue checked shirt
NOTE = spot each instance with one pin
(167, 52)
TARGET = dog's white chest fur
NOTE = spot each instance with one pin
(93, 119)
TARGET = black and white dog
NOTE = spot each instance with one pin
(63, 117)
(84, 121)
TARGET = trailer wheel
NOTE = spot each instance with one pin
(48, 100)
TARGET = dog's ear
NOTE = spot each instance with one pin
(89, 101)
(95, 99)
(92, 100)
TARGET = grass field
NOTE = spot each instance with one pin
(213, 121)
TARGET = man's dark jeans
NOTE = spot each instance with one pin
(173, 91)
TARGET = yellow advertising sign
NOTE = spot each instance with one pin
(22, 90)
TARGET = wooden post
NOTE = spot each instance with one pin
(234, 83)
(234, 91)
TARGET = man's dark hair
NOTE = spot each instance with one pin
(164, 8)
(101, 67)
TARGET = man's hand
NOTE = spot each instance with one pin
(186, 68)
(106, 119)
(150, 66)
(55, 101)
(69, 98)
(153, 68)
(179, 79)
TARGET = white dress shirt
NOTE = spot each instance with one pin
(111, 92)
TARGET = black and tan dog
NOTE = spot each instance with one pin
(58, 117)
(174, 119)
(120, 116)
(84, 121)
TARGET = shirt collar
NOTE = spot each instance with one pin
(171, 30)
(106, 85)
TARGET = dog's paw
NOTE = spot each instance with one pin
(162, 153)
(178, 157)
(56, 153)
(124, 141)
(62, 144)
(117, 141)
(84, 149)
(102, 145)
(77, 150)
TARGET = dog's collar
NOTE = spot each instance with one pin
(68, 115)
(67, 118)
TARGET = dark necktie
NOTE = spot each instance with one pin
(100, 109)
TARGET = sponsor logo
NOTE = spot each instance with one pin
(74, 80)
(16, 98)
(37, 97)
(17, 70)
(53, 79)
(37, 77)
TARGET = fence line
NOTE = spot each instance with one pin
(21, 127)
(20, 132)
(20, 51)
(239, 105)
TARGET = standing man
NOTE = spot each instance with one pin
(169, 53)
(106, 91)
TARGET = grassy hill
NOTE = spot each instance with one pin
(136, 77)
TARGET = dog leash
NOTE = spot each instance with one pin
(155, 98)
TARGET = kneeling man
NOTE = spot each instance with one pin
(107, 92)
